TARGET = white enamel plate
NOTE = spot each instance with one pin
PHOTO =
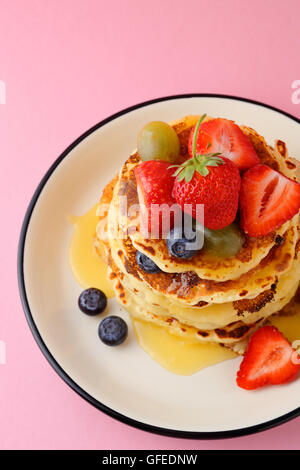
(125, 382)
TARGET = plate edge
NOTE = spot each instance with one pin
(52, 361)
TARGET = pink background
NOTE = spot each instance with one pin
(67, 64)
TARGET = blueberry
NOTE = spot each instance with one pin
(183, 245)
(112, 330)
(92, 301)
(146, 263)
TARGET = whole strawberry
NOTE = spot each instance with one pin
(154, 186)
(211, 180)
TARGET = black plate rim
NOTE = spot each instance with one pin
(56, 366)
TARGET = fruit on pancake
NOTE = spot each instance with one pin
(158, 141)
(224, 136)
(182, 243)
(154, 186)
(92, 301)
(113, 330)
(223, 243)
(267, 200)
(269, 360)
(146, 263)
(212, 181)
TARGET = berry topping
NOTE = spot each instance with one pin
(211, 180)
(146, 264)
(92, 301)
(158, 141)
(154, 186)
(267, 200)
(183, 245)
(269, 360)
(218, 192)
(224, 136)
(113, 330)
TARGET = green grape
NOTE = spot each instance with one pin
(158, 141)
(223, 243)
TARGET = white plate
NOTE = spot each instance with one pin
(124, 382)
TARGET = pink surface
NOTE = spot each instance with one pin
(67, 64)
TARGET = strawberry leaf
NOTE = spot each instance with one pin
(177, 171)
(181, 176)
(203, 171)
(198, 163)
(189, 173)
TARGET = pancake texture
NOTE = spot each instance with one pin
(205, 299)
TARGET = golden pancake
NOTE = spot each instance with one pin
(188, 287)
(205, 298)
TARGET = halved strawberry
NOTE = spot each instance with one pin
(154, 185)
(267, 200)
(269, 360)
(224, 136)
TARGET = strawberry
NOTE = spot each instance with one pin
(224, 136)
(269, 359)
(154, 185)
(211, 180)
(267, 200)
(218, 191)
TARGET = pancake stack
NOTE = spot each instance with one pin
(205, 299)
